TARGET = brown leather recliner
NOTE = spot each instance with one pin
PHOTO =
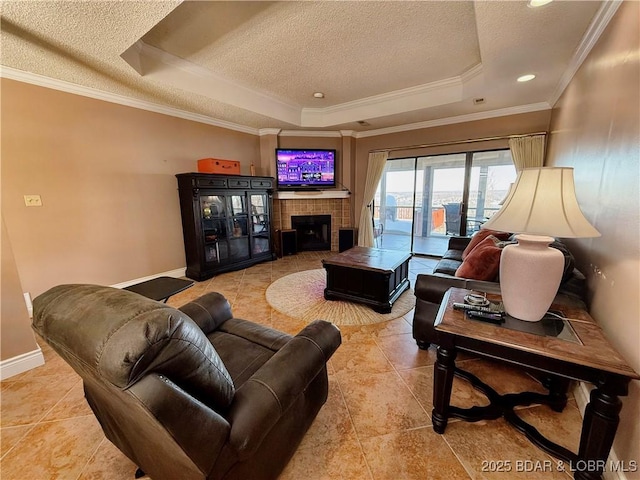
(191, 393)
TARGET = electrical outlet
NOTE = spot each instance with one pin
(32, 200)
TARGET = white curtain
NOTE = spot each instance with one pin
(377, 161)
(528, 151)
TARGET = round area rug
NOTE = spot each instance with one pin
(301, 295)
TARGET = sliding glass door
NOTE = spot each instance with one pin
(394, 205)
(492, 173)
(422, 201)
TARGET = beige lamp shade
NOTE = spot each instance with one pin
(501, 202)
(543, 202)
(541, 205)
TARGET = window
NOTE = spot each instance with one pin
(421, 201)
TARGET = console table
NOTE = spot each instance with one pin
(372, 276)
(576, 350)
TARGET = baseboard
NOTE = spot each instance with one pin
(582, 393)
(21, 363)
(177, 273)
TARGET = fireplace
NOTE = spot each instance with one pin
(312, 205)
(313, 231)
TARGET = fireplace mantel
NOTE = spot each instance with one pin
(320, 194)
(336, 203)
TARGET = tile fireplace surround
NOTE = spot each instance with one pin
(338, 208)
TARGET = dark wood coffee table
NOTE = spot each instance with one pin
(371, 276)
(578, 350)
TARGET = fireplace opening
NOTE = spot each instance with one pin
(313, 231)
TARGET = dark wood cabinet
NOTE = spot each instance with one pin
(226, 222)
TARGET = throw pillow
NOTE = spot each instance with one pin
(479, 236)
(483, 263)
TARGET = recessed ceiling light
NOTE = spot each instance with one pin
(538, 3)
(526, 78)
(318, 95)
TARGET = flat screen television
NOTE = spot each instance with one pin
(305, 169)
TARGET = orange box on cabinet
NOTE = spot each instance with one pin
(216, 165)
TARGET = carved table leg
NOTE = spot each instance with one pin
(598, 431)
(443, 380)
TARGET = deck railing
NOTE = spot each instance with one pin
(404, 213)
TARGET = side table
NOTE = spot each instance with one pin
(578, 350)
(160, 288)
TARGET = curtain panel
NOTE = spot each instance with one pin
(527, 152)
(377, 161)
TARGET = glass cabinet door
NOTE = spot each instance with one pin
(214, 228)
(259, 223)
(238, 224)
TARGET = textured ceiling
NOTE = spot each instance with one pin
(257, 64)
(292, 48)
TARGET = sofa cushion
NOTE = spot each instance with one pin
(479, 236)
(240, 367)
(447, 266)
(452, 254)
(483, 263)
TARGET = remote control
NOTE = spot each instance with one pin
(475, 308)
(485, 317)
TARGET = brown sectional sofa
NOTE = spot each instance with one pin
(430, 288)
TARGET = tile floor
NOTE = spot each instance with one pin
(375, 425)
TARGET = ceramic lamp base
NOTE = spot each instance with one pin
(530, 274)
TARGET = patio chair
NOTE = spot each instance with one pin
(452, 218)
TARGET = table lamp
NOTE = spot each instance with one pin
(541, 205)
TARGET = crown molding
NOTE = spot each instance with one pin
(600, 21)
(472, 73)
(269, 131)
(310, 133)
(61, 85)
(502, 112)
(428, 95)
(348, 133)
(68, 87)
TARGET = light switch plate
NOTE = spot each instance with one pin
(32, 200)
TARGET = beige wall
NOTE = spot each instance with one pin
(595, 128)
(286, 141)
(17, 337)
(105, 173)
(508, 125)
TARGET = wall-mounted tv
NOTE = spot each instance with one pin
(305, 169)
